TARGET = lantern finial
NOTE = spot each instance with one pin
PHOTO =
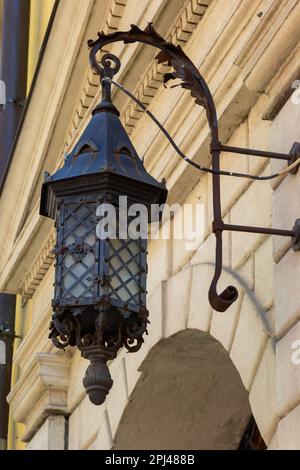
(107, 71)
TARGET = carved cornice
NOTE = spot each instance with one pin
(91, 82)
(41, 391)
(187, 20)
(44, 260)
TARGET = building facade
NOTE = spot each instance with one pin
(201, 376)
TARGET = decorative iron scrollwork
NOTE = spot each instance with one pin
(99, 342)
(78, 249)
(192, 80)
(62, 333)
(173, 55)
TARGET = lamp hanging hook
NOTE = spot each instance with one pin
(107, 60)
(110, 65)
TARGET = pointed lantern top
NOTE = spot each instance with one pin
(103, 159)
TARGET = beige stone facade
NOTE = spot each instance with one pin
(248, 52)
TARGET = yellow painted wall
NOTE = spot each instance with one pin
(22, 325)
(40, 11)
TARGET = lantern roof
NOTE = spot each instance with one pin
(103, 159)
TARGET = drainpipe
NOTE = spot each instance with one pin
(7, 320)
(13, 72)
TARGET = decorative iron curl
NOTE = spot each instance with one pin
(192, 80)
(133, 345)
(62, 332)
(106, 63)
(220, 302)
(107, 336)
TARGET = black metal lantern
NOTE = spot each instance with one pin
(100, 283)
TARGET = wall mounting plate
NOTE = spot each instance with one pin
(295, 154)
(296, 237)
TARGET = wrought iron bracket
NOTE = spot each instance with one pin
(291, 157)
(192, 80)
(294, 234)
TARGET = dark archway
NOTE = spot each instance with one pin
(189, 396)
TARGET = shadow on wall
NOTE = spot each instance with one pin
(189, 396)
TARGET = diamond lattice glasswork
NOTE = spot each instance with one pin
(124, 270)
(78, 247)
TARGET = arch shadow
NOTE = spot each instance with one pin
(189, 396)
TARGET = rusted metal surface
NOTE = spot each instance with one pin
(255, 153)
(263, 230)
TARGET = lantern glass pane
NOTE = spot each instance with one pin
(2, 352)
(124, 264)
(78, 261)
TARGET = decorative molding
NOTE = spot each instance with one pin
(180, 33)
(44, 260)
(281, 87)
(90, 86)
(41, 391)
(34, 341)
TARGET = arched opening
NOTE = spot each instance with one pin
(189, 396)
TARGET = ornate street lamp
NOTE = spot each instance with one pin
(100, 284)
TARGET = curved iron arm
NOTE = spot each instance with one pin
(192, 80)
(184, 68)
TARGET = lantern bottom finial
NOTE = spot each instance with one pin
(97, 380)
